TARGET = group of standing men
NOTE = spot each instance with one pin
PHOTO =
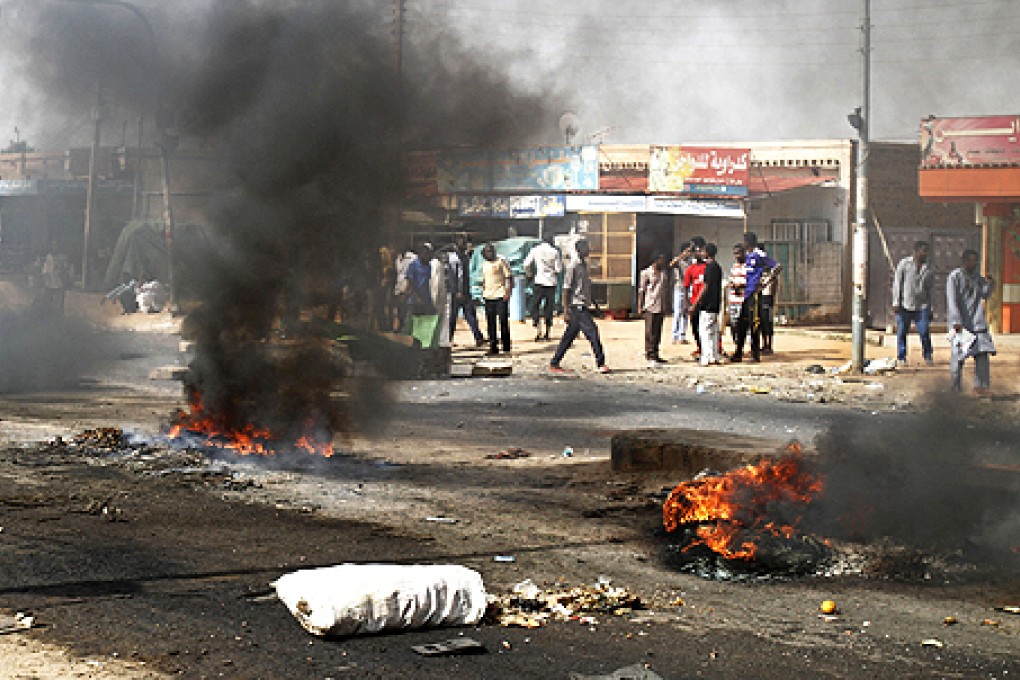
(698, 300)
(912, 298)
(426, 282)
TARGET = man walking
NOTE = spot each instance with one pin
(652, 291)
(460, 289)
(757, 265)
(576, 312)
(681, 309)
(544, 259)
(912, 288)
(497, 283)
(966, 290)
(735, 295)
(708, 308)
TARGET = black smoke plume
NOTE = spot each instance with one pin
(302, 108)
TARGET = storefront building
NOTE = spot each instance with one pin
(976, 160)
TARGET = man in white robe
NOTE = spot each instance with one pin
(966, 291)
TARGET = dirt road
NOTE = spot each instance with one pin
(172, 579)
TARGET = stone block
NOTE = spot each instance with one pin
(168, 373)
(688, 451)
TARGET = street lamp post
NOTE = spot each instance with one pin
(861, 119)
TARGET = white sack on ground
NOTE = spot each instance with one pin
(350, 599)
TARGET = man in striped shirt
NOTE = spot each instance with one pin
(735, 296)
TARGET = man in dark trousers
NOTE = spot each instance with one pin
(912, 288)
(576, 310)
(708, 305)
(497, 284)
(545, 264)
(653, 292)
(757, 264)
(460, 289)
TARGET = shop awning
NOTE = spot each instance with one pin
(766, 185)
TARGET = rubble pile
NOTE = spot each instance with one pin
(101, 438)
(529, 606)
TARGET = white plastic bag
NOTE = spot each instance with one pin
(351, 599)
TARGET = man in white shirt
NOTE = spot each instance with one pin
(545, 261)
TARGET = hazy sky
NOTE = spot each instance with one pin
(666, 71)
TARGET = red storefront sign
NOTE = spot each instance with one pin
(961, 142)
(699, 170)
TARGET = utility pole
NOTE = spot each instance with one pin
(861, 120)
(90, 194)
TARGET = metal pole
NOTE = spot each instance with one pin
(90, 194)
(136, 193)
(860, 236)
(399, 10)
(168, 219)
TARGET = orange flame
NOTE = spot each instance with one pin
(249, 439)
(731, 509)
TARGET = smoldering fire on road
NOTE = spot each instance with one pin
(917, 489)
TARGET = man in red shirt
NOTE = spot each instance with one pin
(694, 282)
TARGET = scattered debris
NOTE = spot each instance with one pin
(932, 642)
(504, 558)
(636, 672)
(756, 389)
(1009, 609)
(104, 508)
(442, 520)
(949, 621)
(509, 454)
(989, 622)
(101, 438)
(567, 452)
(815, 369)
(528, 606)
(16, 624)
(878, 366)
(843, 368)
(463, 645)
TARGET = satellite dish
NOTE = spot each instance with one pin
(570, 126)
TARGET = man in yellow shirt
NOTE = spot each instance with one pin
(497, 283)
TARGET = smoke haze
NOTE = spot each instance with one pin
(928, 481)
(654, 71)
(42, 351)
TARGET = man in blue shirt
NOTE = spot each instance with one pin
(419, 275)
(758, 266)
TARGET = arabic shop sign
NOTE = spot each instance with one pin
(980, 140)
(18, 187)
(549, 168)
(512, 207)
(713, 171)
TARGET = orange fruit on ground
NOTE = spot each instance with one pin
(828, 607)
